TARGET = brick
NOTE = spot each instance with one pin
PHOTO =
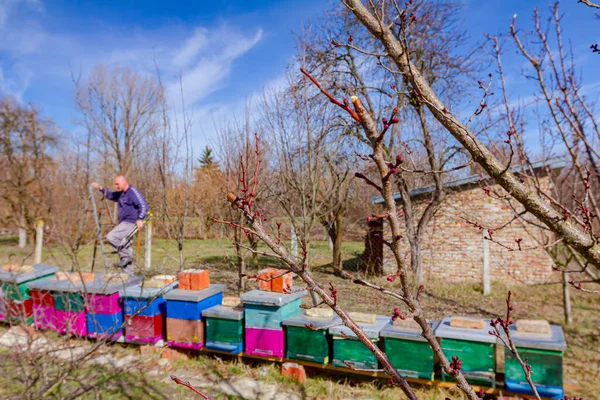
(194, 279)
(319, 312)
(75, 276)
(363, 318)
(158, 281)
(453, 249)
(173, 354)
(274, 285)
(115, 278)
(230, 301)
(293, 371)
(533, 326)
(17, 268)
(408, 323)
(467, 322)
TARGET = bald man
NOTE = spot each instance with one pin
(133, 208)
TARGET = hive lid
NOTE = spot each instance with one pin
(195, 295)
(115, 285)
(444, 330)
(555, 341)
(38, 271)
(224, 312)
(264, 298)
(303, 319)
(141, 291)
(52, 284)
(372, 331)
(402, 332)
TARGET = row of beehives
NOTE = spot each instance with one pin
(269, 323)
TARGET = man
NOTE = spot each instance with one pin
(133, 208)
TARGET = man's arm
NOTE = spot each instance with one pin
(139, 201)
(109, 194)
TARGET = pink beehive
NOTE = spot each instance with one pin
(103, 304)
(71, 322)
(44, 317)
(265, 342)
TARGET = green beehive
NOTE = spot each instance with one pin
(408, 351)
(224, 328)
(306, 344)
(68, 301)
(19, 291)
(474, 347)
(544, 353)
(348, 350)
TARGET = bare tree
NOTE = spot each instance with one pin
(396, 52)
(26, 141)
(425, 151)
(120, 109)
(567, 123)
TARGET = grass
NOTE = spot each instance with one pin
(165, 254)
(440, 298)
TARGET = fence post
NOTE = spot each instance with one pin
(148, 246)
(487, 287)
(39, 241)
(294, 241)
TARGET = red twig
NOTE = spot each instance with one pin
(190, 386)
(578, 286)
(345, 106)
(505, 325)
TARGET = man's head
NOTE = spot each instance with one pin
(121, 183)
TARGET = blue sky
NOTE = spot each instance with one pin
(225, 51)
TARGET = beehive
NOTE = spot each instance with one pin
(184, 314)
(264, 315)
(407, 350)
(145, 309)
(224, 328)
(475, 347)
(543, 348)
(304, 341)
(349, 351)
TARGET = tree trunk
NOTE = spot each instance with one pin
(334, 231)
(566, 298)
(416, 260)
(372, 258)
(254, 246)
(22, 230)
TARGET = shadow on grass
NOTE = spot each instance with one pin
(9, 240)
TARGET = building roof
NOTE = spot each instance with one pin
(549, 163)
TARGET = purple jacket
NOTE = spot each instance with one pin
(132, 203)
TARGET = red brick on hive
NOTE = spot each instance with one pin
(268, 283)
(194, 279)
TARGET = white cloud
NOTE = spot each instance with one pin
(201, 56)
(208, 57)
(184, 56)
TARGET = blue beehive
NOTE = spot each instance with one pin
(189, 304)
(104, 324)
(267, 310)
(144, 307)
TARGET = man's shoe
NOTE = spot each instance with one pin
(124, 263)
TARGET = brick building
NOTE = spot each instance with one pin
(454, 249)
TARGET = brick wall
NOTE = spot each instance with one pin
(453, 249)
